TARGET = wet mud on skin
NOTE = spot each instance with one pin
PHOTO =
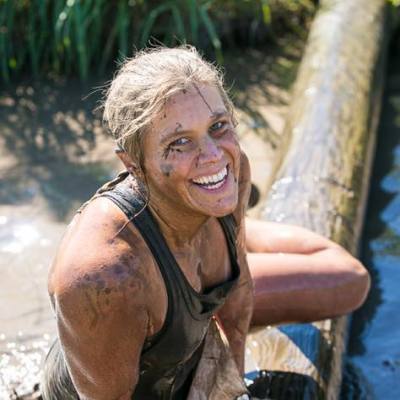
(53, 155)
(372, 369)
(167, 169)
(204, 100)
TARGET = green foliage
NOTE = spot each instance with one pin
(85, 36)
(395, 3)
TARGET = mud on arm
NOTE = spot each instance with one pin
(102, 324)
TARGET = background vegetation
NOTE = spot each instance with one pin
(68, 37)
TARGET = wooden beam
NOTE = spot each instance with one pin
(322, 180)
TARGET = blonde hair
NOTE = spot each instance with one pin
(143, 85)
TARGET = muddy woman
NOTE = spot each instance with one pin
(161, 265)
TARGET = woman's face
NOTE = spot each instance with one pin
(191, 154)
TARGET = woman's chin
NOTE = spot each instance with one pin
(218, 209)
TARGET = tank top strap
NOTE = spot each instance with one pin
(135, 208)
(229, 226)
(130, 204)
(108, 186)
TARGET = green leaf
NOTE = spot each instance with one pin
(194, 21)
(149, 22)
(211, 33)
(266, 12)
(12, 63)
(180, 29)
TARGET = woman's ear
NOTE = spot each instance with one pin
(126, 159)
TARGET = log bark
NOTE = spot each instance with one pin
(322, 181)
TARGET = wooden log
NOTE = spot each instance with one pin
(322, 181)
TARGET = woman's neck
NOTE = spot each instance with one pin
(178, 227)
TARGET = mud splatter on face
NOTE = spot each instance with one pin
(166, 153)
(178, 127)
(100, 284)
(202, 97)
(118, 269)
(170, 150)
(164, 109)
(166, 169)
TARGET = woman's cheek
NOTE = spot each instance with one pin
(168, 161)
(166, 169)
(175, 165)
(230, 136)
(231, 142)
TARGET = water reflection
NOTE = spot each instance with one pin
(372, 369)
(20, 364)
(26, 246)
(21, 236)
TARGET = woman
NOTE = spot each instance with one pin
(158, 253)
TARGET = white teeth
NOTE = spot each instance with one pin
(216, 186)
(214, 180)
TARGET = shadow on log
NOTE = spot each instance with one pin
(322, 182)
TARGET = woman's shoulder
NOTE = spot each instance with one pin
(101, 250)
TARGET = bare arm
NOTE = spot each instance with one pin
(301, 276)
(102, 326)
(100, 298)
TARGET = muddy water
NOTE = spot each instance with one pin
(50, 162)
(26, 323)
(29, 235)
(373, 365)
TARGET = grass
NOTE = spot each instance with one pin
(68, 37)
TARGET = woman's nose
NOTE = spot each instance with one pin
(209, 152)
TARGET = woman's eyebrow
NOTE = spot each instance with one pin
(218, 114)
(178, 132)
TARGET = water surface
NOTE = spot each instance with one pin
(373, 364)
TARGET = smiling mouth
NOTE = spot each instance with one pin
(212, 182)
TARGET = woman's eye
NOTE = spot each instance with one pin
(178, 145)
(217, 126)
(180, 142)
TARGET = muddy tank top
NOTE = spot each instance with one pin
(169, 358)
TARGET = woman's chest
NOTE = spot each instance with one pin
(206, 263)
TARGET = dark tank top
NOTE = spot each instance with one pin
(169, 358)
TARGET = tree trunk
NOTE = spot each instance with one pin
(322, 181)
